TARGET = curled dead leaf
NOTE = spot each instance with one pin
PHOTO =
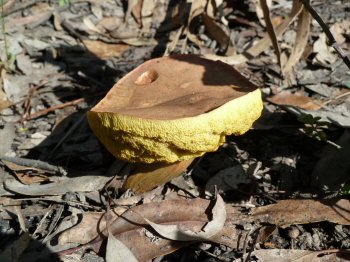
(116, 251)
(174, 232)
(297, 100)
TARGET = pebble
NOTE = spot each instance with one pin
(293, 232)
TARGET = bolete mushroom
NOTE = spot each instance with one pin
(173, 109)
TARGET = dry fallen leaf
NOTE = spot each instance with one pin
(64, 185)
(109, 23)
(303, 30)
(271, 31)
(131, 228)
(297, 100)
(231, 60)
(259, 11)
(265, 42)
(340, 30)
(191, 215)
(104, 50)
(216, 32)
(213, 227)
(288, 255)
(296, 211)
(91, 26)
(4, 103)
(197, 8)
(325, 54)
(116, 251)
(29, 179)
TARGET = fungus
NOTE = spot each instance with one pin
(173, 109)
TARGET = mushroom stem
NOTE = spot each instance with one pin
(148, 176)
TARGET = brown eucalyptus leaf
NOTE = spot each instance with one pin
(298, 211)
(265, 42)
(287, 255)
(16, 167)
(116, 251)
(231, 60)
(297, 100)
(134, 232)
(303, 30)
(325, 54)
(271, 31)
(104, 50)
(136, 11)
(4, 102)
(89, 24)
(216, 32)
(85, 231)
(259, 11)
(28, 179)
(212, 228)
(64, 185)
(91, 224)
(197, 8)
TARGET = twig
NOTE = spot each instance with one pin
(35, 164)
(29, 97)
(58, 214)
(331, 40)
(60, 106)
(248, 258)
(21, 219)
(336, 98)
(53, 108)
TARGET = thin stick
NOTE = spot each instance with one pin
(60, 106)
(331, 39)
(53, 108)
(29, 97)
(336, 98)
(35, 164)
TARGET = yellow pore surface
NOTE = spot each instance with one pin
(136, 139)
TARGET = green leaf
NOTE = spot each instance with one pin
(346, 190)
(309, 130)
(321, 136)
(63, 2)
(347, 84)
(323, 123)
(11, 62)
(317, 118)
(305, 118)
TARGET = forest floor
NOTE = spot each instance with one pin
(285, 184)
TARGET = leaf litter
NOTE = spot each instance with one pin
(54, 176)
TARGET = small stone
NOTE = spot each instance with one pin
(293, 232)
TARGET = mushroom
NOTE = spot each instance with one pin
(173, 109)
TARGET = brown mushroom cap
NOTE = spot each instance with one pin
(147, 114)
